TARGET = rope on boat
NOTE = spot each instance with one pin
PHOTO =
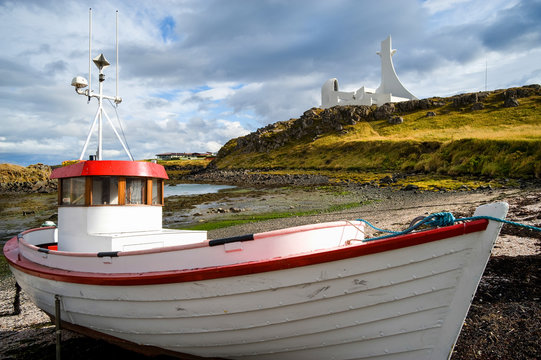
(440, 219)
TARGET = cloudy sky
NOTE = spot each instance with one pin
(196, 73)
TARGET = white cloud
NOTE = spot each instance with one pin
(457, 12)
(29, 146)
(213, 146)
(217, 93)
(436, 6)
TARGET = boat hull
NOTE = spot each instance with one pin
(403, 303)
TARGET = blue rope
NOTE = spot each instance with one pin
(438, 220)
(530, 227)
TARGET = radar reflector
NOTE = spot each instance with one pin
(101, 62)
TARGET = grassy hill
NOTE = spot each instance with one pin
(10, 173)
(471, 134)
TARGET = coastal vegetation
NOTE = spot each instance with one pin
(480, 134)
(16, 173)
(176, 169)
(244, 219)
(186, 164)
(21, 211)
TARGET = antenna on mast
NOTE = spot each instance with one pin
(486, 73)
(116, 66)
(80, 83)
(89, 52)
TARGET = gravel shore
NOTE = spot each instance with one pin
(504, 321)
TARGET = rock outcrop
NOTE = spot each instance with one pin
(316, 122)
(468, 99)
(396, 120)
(30, 179)
(256, 178)
(43, 186)
(510, 96)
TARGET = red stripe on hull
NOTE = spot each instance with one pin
(11, 252)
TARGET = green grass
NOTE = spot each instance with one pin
(185, 163)
(498, 158)
(492, 122)
(495, 142)
(269, 216)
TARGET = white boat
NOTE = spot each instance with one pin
(311, 292)
(319, 291)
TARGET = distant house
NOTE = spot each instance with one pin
(185, 156)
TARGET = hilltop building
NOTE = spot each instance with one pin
(390, 89)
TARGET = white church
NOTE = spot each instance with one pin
(390, 89)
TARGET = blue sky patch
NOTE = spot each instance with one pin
(167, 29)
(200, 88)
(167, 95)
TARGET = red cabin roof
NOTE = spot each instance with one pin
(111, 168)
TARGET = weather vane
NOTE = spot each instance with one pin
(80, 83)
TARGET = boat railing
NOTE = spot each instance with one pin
(39, 236)
(298, 237)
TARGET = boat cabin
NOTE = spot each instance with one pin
(95, 183)
(109, 205)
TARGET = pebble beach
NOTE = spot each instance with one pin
(29, 334)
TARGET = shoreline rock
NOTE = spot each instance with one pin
(42, 186)
(254, 178)
(31, 179)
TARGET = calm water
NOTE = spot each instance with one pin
(193, 189)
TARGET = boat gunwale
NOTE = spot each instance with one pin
(205, 243)
(12, 253)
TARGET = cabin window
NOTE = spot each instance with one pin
(104, 190)
(110, 190)
(73, 191)
(135, 192)
(157, 192)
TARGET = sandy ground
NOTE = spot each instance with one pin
(394, 210)
(30, 334)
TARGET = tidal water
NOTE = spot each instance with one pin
(193, 189)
